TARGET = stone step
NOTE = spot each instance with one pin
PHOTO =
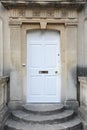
(74, 124)
(32, 118)
(43, 109)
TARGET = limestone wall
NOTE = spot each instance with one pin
(82, 43)
(5, 64)
(72, 24)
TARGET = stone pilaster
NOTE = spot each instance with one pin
(71, 35)
(15, 75)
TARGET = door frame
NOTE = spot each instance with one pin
(55, 27)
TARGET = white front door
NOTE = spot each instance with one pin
(43, 67)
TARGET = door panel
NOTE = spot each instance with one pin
(37, 59)
(36, 85)
(50, 56)
(50, 86)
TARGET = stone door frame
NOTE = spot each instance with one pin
(59, 28)
(68, 43)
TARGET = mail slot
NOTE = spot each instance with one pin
(43, 72)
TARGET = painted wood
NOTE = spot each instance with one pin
(43, 66)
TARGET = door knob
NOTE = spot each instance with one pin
(56, 72)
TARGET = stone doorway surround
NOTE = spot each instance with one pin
(61, 16)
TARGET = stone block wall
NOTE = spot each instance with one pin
(4, 99)
(71, 22)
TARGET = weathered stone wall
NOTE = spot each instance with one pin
(82, 43)
(5, 64)
(4, 99)
(72, 24)
(83, 100)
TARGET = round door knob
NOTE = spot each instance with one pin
(56, 72)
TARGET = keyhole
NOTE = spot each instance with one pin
(58, 54)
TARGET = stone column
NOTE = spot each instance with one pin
(71, 49)
(15, 76)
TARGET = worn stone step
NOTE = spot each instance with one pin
(74, 124)
(43, 109)
(31, 118)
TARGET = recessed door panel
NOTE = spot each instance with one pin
(37, 59)
(36, 85)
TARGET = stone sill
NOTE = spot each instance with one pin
(78, 4)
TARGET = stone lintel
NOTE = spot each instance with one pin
(43, 23)
(76, 4)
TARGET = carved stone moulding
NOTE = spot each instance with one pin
(77, 4)
(51, 13)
